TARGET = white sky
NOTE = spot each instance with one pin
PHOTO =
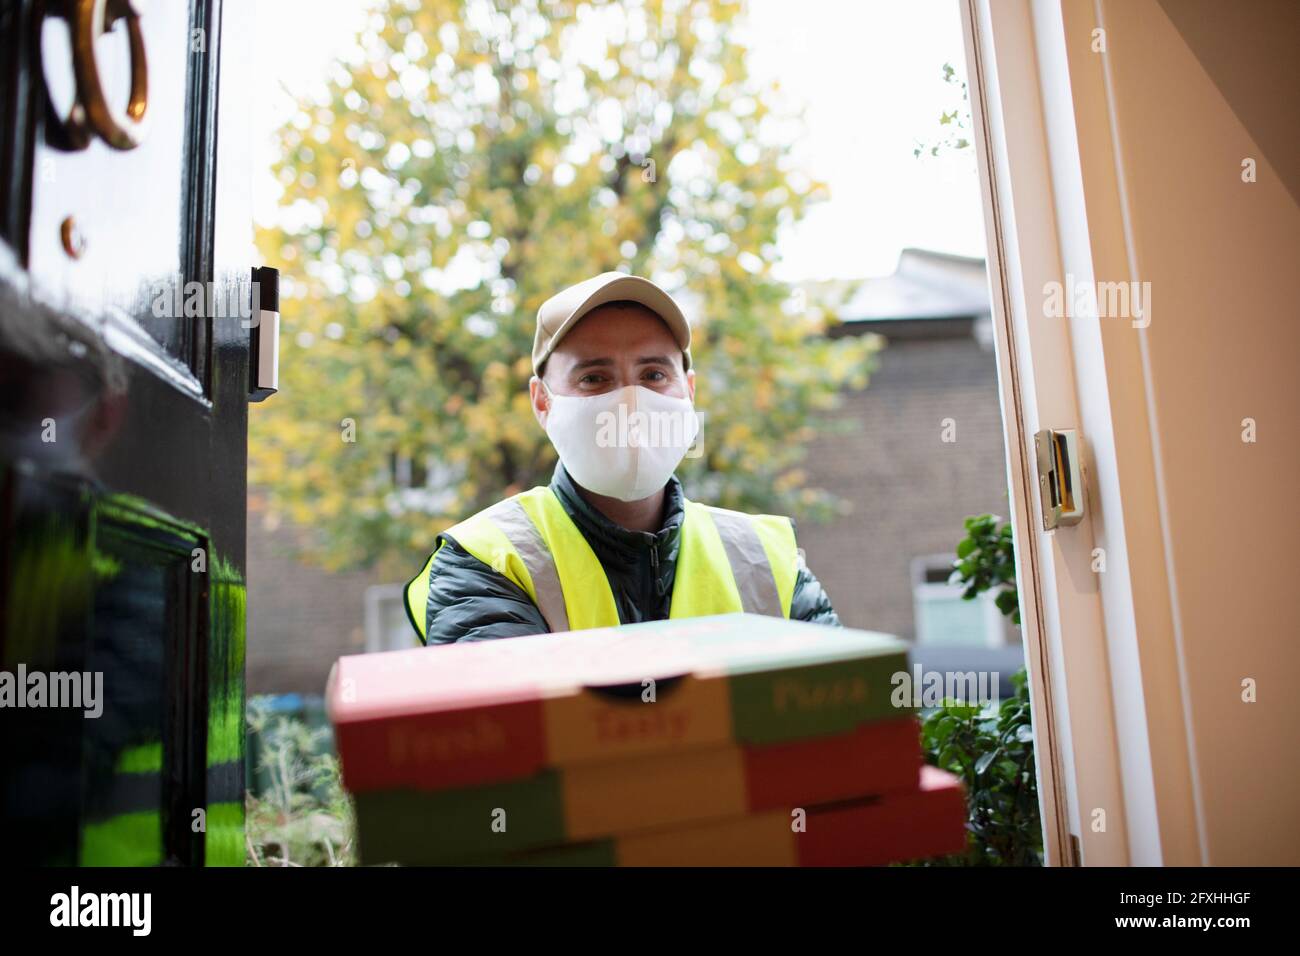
(868, 74)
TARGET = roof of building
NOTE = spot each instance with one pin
(925, 285)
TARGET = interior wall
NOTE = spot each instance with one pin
(1196, 89)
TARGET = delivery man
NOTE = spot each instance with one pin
(612, 540)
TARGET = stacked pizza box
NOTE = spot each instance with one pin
(728, 740)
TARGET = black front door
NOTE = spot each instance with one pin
(125, 256)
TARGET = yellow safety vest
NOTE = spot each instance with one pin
(728, 561)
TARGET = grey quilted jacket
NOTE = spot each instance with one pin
(469, 601)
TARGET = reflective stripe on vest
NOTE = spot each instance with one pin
(513, 520)
(727, 561)
(745, 550)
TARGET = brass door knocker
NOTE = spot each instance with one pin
(92, 113)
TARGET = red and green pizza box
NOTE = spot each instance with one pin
(897, 827)
(589, 801)
(490, 711)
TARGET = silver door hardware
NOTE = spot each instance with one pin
(1060, 485)
(264, 339)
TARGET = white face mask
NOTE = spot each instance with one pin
(624, 443)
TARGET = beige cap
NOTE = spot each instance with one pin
(562, 311)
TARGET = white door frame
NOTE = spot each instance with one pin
(1116, 782)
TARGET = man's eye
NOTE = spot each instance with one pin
(655, 375)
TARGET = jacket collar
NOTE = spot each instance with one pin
(614, 542)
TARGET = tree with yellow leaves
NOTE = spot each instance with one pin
(471, 159)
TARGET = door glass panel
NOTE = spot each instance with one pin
(109, 225)
(144, 615)
(99, 627)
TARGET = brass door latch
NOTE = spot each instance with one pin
(1060, 482)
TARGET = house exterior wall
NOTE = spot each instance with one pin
(908, 490)
(300, 619)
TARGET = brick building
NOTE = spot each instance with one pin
(925, 450)
(300, 618)
(883, 563)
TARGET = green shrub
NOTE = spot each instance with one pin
(991, 751)
(986, 561)
(993, 754)
(303, 817)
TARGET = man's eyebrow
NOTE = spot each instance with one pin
(605, 361)
(590, 363)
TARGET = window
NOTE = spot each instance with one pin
(944, 617)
